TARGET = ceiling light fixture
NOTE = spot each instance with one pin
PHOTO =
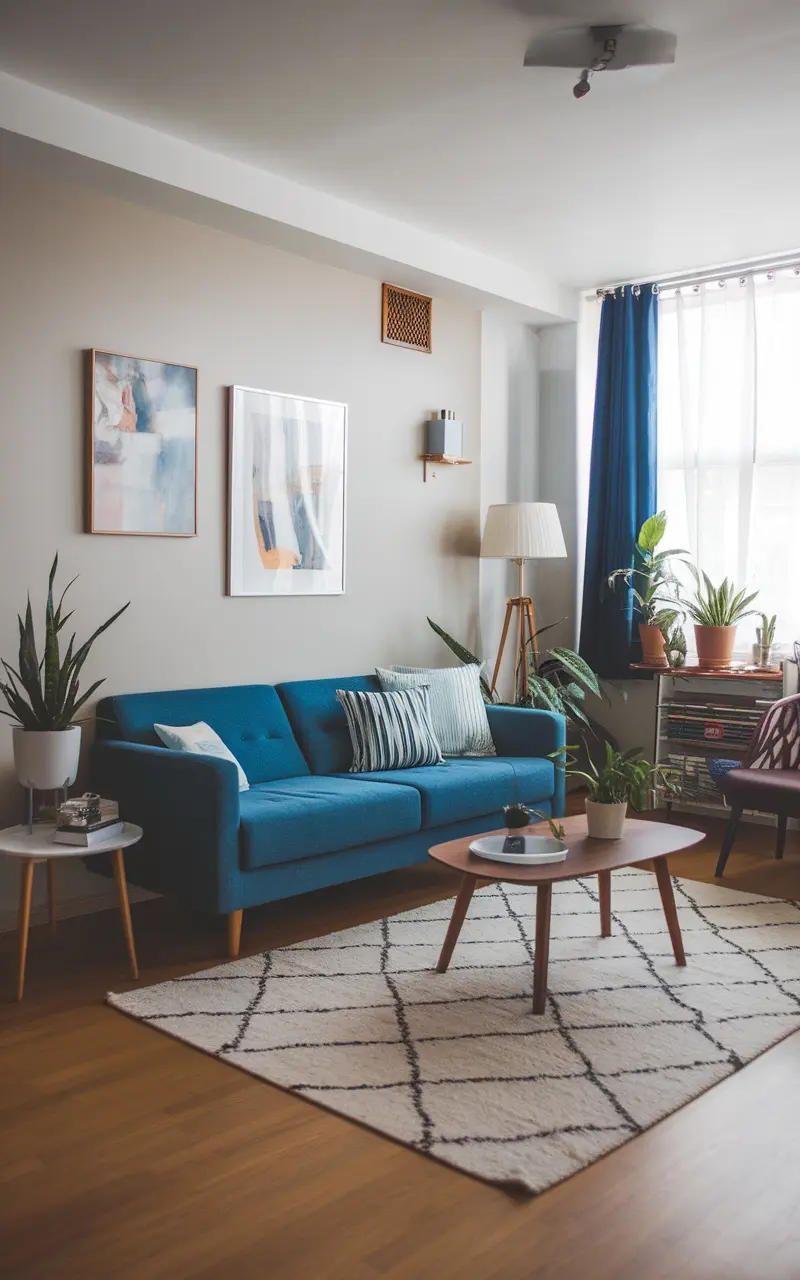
(601, 48)
(601, 63)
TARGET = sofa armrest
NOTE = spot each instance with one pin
(523, 731)
(188, 808)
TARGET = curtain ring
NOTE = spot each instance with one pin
(723, 284)
(636, 290)
(655, 287)
(742, 281)
(770, 275)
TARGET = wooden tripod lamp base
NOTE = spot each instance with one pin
(525, 631)
(521, 531)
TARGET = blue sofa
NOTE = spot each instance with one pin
(306, 822)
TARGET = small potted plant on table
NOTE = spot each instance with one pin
(43, 695)
(623, 778)
(716, 611)
(654, 588)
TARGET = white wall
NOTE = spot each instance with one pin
(509, 455)
(80, 269)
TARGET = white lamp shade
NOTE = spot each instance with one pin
(523, 531)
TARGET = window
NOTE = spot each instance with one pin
(729, 438)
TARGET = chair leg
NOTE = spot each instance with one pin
(234, 933)
(727, 841)
(780, 835)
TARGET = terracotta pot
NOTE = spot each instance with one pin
(652, 639)
(605, 821)
(714, 646)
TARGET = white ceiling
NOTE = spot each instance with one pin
(422, 109)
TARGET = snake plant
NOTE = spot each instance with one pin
(721, 606)
(44, 692)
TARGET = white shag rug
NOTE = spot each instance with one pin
(457, 1066)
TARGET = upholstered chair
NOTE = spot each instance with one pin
(768, 777)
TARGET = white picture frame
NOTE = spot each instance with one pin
(286, 494)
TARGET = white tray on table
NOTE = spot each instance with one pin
(539, 850)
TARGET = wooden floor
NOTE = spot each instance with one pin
(124, 1153)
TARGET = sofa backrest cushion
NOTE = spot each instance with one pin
(319, 721)
(250, 719)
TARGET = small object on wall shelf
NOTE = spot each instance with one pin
(444, 443)
(406, 318)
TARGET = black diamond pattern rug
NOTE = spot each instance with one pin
(457, 1066)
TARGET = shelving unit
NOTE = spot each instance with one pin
(702, 714)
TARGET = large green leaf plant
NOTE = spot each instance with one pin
(43, 693)
(557, 681)
(651, 578)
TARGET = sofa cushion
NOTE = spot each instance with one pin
(319, 722)
(300, 817)
(466, 788)
(250, 719)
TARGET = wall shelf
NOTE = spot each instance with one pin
(442, 459)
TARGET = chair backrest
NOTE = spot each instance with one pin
(776, 741)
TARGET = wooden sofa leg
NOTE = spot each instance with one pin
(234, 932)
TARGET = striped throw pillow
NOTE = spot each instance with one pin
(458, 712)
(390, 730)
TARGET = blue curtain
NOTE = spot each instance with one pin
(622, 482)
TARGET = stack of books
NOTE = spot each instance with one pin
(101, 824)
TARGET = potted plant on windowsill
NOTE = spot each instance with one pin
(716, 611)
(43, 696)
(654, 588)
(623, 778)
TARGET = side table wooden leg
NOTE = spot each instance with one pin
(125, 908)
(604, 888)
(541, 954)
(51, 894)
(460, 909)
(670, 911)
(25, 892)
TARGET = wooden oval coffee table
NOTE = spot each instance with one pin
(640, 842)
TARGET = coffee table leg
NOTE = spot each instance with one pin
(604, 887)
(541, 954)
(125, 909)
(670, 911)
(25, 892)
(460, 909)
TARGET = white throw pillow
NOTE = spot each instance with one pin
(458, 711)
(200, 739)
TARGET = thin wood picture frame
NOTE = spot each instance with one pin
(141, 466)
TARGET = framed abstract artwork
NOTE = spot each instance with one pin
(142, 446)
(286, 510)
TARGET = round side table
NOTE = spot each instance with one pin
(38, 845)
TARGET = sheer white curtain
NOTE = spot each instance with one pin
(729, 437)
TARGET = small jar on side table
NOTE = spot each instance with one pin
(38, 845)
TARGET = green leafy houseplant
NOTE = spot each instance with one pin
(43, 693)
(715, 612)
(765, 635)
(654, 587)
(623, 777)
(558, 682)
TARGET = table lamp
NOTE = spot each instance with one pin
(521, 531)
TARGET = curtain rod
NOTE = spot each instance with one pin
(729, 271)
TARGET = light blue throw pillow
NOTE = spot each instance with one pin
(200, 739)
(458, 711)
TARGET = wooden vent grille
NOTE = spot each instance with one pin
(406, 318)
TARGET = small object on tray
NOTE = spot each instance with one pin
(536, 850)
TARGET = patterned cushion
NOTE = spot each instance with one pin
(202, 740)
(390, 730)
(458, 711)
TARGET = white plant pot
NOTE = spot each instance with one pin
(605, 821)
(47, 759)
